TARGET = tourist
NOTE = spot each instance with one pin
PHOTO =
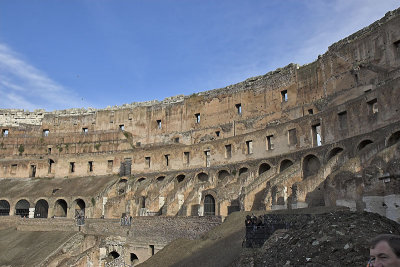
(385, 251)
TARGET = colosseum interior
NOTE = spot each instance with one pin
(322, 134)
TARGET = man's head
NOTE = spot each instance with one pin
(385, 251)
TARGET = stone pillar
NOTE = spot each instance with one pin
(31, 212)
(104, 204)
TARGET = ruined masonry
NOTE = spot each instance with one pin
(323, 134)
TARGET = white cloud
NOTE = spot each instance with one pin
(24, 86)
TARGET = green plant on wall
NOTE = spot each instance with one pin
(21, 149)
(59, 147)
(66, 147)
(97, 146)
(93, 201)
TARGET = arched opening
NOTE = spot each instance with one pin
(311, 165)
(60, 208)
(264, 167)
(203, 177)
(79, 206)
(334, 152)
(22, 208)
(114, 254)
(180, 178)
(160, 178)
(134, 259)
(285, 164)
(222, 174)
(4, 208)
(51, 163)
(393, 139)
(141, 179)
(363, 144)
(243, 170)
(209, 205)
(122, 186)
(41, 209)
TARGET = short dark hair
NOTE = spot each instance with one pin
(392, 240)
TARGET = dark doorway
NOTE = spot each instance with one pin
(114, 254)
(32, 171)
(263, 168)
(393, 139)
(134, 259)
(4, 208)
(60, 208)
(285, 164)
(41, 209)
(79, 207)
(311, 165)
(209, 205)
(22, 208)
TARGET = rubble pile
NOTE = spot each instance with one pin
(331, 239)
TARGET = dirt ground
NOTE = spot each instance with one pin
(331, 237)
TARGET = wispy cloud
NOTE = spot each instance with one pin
(26, 87)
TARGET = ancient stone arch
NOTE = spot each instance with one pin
(22, 208)
(202, 177)
(243, 170)
(333, 152)
(180, 178)
(60, 208)
(160, 178)
(364, 143)
(222, 174)
(264, 167)
(393, 139)
(286, 163)
(311, 165)
(41, 209)
(4, 208)
(209, 205)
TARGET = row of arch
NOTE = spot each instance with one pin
(22, 208)
(310, 163)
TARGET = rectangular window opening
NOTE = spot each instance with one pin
(32, 171)
(284, 96)
(373, 106)
(208, 156)
(176, 139)
(151, 250)
(5, 132)
(186, 157)
(49, 150)
(197, 115)
(14, 168)
(270, 144)
(342, 120)
(90, 166)
(122, 127)
(249, 147)
(316, 135)
(147, 161)
(46, 132)
(310, 111)
(85, 130)
(217, 133)
(292, 137)
(110, 164)
(239, 108)
(228, 151)
(159, 124)
(72, 167)
(166, 160)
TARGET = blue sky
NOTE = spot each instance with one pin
(70, 54)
